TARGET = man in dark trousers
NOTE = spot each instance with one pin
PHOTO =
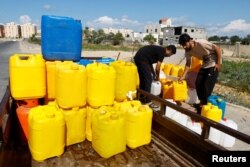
(144, 60)
(207, 76)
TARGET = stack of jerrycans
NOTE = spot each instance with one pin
(70, 97)
(25, 88)
(66, 80)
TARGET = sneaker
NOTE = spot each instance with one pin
(153, 106)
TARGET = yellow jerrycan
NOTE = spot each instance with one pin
(138, 126)
(75, 120)
(71, 82)
(174, 71)
(167, 68)
(211, 112)
(27, 76)
(125, 106)
(180, 90)
(100, 84)
(126, 79)
(195, 64)
(167, 92)
(108, 130)
(90, 112)
(46, 132)
(180, 71)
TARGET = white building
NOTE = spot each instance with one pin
(12, 30)
(156, 29)
(171, 34)
(28, 29)
(126, 33)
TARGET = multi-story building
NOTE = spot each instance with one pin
(12, 30)
(28, 29)
(171, 34)
(156, 29)
(2, 31)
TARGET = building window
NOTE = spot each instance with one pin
(192, 30)
(156, 30)
(185, 30)
(147, 30)
(166, 39)
(176, 37)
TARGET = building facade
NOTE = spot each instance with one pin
(2, 31)
(126, 33)
(157, 29)
(171, 34)
(28, 29)
(12, 30)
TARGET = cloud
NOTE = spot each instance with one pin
(24, 19)
(47, 7)
(123, 22)
(235, 27)
(182, 21)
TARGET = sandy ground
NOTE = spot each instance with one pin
(239, 114)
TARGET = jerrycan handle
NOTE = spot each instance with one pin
(24, 57)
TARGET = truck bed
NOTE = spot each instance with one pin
(172, 144)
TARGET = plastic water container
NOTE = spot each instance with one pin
(194, 126)
(28, 103)
(214, 135)
(105, 60)
(127, 105)
(195, 64)
(217, 101)
(100, 84)
(180, 118)
(126, 79)
(27, 76)
(46, 132)
(75, 119)
(167, 68)
(180, 90)
(138, 126)
(22, 114)
(85, 62)
(192, 96)
(51, 79)
(90, 112)
(61, 38)
(109, 133)
(168, 92)
(174, 71)
(71, 90)
(211, 112)
(156, 88)
(170, 112)
(227, 140)
(180, 71)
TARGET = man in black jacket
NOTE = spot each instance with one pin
(144, 60)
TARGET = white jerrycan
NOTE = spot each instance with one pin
(156, 88)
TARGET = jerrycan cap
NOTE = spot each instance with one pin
(74, 67)
(50, 115)
(142, 109)
(102, 112)
(114, 116)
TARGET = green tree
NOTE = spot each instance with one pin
(87, 34)
(246, 40)
(214, 38)
(150, 39)
(224, 38)
(118, 38)
(235, 39)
